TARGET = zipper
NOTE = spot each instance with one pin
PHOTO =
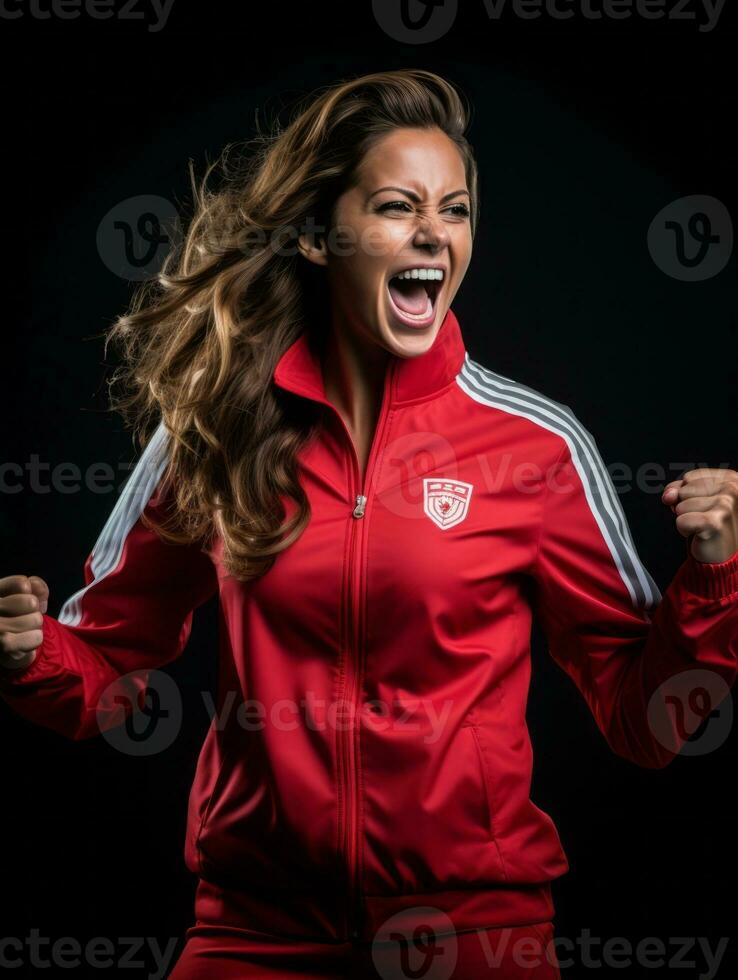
(349, 775)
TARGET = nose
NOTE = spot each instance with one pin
(431, 231)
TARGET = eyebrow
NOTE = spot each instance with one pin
(415, 197)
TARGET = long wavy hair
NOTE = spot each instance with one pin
(201, 339)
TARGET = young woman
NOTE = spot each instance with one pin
(380, 516)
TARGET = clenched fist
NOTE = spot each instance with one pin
(23, 601)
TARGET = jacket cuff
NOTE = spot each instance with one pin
(711, 579)
(12, 676)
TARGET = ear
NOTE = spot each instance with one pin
(313, 248)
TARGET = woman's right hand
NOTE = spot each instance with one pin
(23, 601)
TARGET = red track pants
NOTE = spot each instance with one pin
(511, 953)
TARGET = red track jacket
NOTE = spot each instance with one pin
(381, 764)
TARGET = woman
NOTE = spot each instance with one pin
(380, 516)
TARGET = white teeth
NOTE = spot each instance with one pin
(420, 274)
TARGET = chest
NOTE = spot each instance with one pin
(450, 521)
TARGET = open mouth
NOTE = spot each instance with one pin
(413, 295)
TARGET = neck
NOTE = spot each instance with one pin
(300, 367)
(353, 374)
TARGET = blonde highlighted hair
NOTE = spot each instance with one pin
(201, 340)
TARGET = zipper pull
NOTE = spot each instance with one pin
(358, 510)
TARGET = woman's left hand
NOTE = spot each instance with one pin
(706, 504)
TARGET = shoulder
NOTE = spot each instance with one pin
(553, 421)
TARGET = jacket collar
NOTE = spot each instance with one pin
(299, 368)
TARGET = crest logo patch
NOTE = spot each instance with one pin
(446, 502)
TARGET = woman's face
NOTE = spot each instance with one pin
(410, 210)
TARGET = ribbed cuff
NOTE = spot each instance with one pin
(711, 579)
(9, 675)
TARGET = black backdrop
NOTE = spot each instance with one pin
(584, 131)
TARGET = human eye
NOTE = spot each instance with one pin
(460, 209)
(393, 205)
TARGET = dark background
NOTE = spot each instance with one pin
(584, 130)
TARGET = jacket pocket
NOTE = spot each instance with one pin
(213, 765)
(485, 783)
(244, 835)
(426, 818)
(215, 792)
